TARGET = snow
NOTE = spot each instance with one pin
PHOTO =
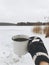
(7, 55)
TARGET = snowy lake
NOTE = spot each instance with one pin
(6, 33)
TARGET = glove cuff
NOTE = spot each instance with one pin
(40, 56)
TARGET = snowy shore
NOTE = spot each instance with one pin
(6, 46)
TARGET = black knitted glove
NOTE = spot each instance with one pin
(37, 50)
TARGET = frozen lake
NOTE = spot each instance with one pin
(6, 33)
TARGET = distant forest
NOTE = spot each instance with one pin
(31, 23)
(24, 24)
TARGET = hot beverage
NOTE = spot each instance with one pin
(20, 39)
(20, 43)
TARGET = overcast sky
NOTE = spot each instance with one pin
(23, 10)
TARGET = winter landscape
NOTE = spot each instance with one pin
(21, 12)
(6, 47)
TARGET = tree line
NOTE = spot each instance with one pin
(33, 23)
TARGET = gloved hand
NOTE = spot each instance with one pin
(37, 50)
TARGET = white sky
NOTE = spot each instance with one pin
(23, 10)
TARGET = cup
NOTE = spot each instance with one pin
(20, 44)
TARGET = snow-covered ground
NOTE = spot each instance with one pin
(7, 56)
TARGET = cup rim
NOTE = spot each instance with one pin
(20, 36)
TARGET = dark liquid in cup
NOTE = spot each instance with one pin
(20, 39)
